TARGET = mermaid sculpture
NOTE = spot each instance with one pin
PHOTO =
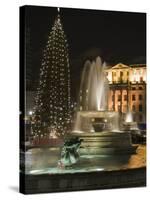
(70, 152)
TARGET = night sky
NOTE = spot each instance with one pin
(115, 36)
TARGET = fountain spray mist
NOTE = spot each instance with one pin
(94, 87)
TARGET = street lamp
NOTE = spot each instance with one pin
(30, 112)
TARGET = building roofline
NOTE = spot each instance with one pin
(123, 66)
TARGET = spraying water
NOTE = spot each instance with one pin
(93, 98)
(129, 117)
(93, 95)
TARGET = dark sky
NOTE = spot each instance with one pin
(116, 36)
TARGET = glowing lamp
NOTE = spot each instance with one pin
(30, 112)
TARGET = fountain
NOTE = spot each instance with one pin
(129, 124)
(95, 125)
(97, 142)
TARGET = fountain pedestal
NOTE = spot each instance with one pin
(105, 143)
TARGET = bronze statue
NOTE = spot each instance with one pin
(70, 152)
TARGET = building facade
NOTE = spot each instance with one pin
(128, 90)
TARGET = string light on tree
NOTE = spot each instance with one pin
(52, 107)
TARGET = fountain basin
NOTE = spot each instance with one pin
(96, 121)
(130, 126)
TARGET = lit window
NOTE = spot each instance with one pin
(119, 97)
(125, 97)
(141, 79)
(140, 97)
(114, 73)
(140, 88)
(121, 73)
(133, 97)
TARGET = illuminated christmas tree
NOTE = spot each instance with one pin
(52, 104)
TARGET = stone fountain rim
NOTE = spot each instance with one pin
(98, 134)
(96, 113)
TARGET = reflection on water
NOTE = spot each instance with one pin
(43, 161)
(139, 159)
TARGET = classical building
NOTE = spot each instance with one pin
(128, 90)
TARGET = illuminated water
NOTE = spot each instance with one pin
(129, 117)
(94, 86)
(93, 97)
(45, 161)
